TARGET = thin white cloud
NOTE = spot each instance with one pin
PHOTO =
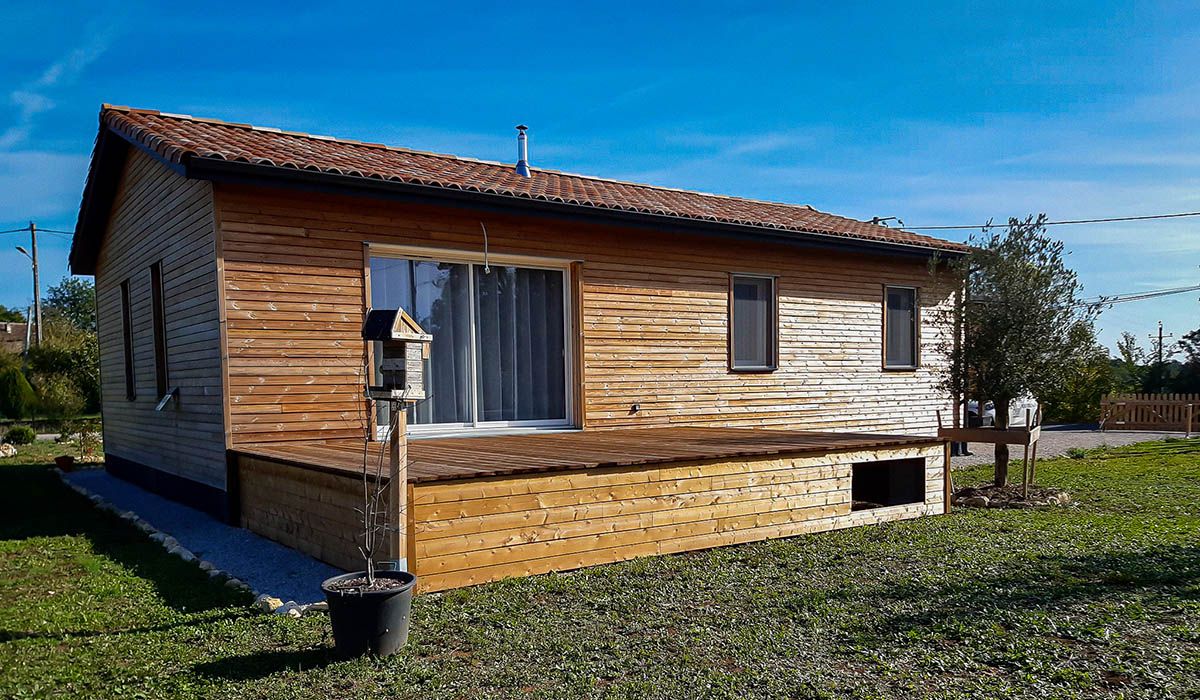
(32, 99)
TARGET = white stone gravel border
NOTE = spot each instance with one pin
(262, 601)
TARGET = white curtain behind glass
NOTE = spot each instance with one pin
(752, 317)
(519, 334)
(901, 327)
(519, 351)
(437, 296)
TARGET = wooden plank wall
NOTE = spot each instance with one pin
(307, 510)
(470, 531)
(654, 323)
(294, 307)
(158, 215)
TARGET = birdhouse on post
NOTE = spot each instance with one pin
(405, 348)
(400, 381)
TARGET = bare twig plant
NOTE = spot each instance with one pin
(376, 506)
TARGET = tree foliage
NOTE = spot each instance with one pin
(74, 300)
(1022, 321)
(17, 399)
(1077, 398)
(71, 353)
(8, 315)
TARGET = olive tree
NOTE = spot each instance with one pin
(1021, 322)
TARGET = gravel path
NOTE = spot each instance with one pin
(1057, 439)
(268, 567)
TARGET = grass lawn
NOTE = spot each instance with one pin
(1102, 600)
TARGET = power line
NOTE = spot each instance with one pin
(1065, 222)
(40, 230)
(1138, 296)
(1116, 298)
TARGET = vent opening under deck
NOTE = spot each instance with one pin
(890, 482)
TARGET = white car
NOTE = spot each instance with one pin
(1016, 412)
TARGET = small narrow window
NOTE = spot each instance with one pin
(752, 323)
(127, 341)
(160, 330)
(900, 328)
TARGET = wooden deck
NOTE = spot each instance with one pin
(441, 459)
(485, 508)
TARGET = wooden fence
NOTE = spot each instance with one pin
(1150, 412)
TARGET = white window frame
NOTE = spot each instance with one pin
(479, 427)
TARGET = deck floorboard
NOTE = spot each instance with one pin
(439, 459)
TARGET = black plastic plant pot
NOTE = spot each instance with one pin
(374, 622)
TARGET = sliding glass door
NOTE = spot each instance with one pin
(499, 357)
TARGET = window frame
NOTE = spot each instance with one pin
(916, 330)
(772, 326)
(158, 312)
(477, 426)
(127, 343)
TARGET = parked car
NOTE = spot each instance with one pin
(1016, 412)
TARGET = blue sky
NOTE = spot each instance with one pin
(944, 115)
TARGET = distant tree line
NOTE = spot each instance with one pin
(59, 379)
(1134, 370)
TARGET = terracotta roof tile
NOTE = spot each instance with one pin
(180, 138)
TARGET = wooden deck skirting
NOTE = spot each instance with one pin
(482, 509)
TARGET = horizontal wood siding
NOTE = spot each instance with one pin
(469, 531)
(311, 511)
(654, 320)
(160, 216)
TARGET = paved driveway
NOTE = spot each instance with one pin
(1057, 439)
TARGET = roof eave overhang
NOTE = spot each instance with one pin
(236, 172)
(112, 146)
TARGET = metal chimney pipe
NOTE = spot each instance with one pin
(522, 151)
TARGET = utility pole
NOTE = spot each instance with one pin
(1159, 370)
(32, 254)
(37, 286)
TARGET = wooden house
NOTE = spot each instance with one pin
(615, 369)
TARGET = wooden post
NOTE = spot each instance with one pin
(1033, 464)
(1188, 430)
(1025, 462)
(1033, 455)
(948, 487)
(398, 488)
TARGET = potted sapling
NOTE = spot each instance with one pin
(369, 609)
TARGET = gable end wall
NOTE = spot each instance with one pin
(160, 216)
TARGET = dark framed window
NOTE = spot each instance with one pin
(160, 330)
(127, 342)
(901, 313)
(753, 324)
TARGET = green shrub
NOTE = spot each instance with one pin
(58, 397)
(17, 399)
(73, 354)
(20, 435)
(1077, 453)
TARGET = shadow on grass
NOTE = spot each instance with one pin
(14, 635)
(1162, 448)
(266, 663)
(1050, 582)
(36, 504)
